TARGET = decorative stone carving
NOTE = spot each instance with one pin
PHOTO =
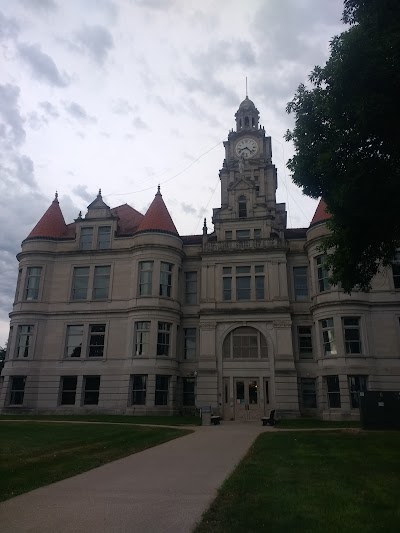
(208, 325)
(282, 324)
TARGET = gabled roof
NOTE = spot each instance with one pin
(52, 223)
(129, 219)
(321, 214)
(157, 218)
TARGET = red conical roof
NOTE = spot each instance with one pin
(321, 214)
(52, 223)
(157, 217)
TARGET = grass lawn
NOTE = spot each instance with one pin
(34, 454)
(312, 482)
(118, 419)
(306, 423)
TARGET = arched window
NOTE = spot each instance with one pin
(246, 121)
(253, 122)
(242, 201)
(240, 124)
(244, 343)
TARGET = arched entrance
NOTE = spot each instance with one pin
(245, 371)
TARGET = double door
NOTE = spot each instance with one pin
(247, 402)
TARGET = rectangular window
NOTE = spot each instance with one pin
(97, 334)
(322, 274)
(91, 390)
(333, 386)
(328, 337)
(145, 278)
(101, 282)
(165, 279)
(308, 393)
(25, 341)
(139, 390)
(161, 394)
(190, 343)
(86, 238)
(163, 338)
(352, 340)
(305, 342)
(17, 390)
(227, 283)
(188, 391)
(80, 283)
(68, 390)
(396, 271)
(104, 237)
(142, 338)
(74, 341)
(257, 234)
(191, 288)
(228, 235)
(259, 269)
(300, 278)
(242, 234)
(357, 384)
(33, 283)
(243, 283)
(18, 285)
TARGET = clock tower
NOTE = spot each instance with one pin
(248, 183)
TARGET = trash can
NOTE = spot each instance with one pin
(205, 415)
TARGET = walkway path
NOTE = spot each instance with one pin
(163, 489)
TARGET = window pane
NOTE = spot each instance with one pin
(25, 341)
(92, 389)
(163, 338)
(333, 391)
(188, 391)
(308, 393)
(191, 288)
(165, 279)
(96, 340)
(104, 237)
(242, 234)
(80, 283)
(101, 282)
(300, 283)
(33, 283)
(227, 285)
(139, 390)
(243, 290)
(86, 238)
(145, 278)
(142, 338)
(161, 393)
(68, 390)
(17, 390)
(74, 341)
(190, 343)
(259, 287)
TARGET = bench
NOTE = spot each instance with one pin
(215, 420)
(269, 420)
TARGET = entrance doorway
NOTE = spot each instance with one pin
(247, 404)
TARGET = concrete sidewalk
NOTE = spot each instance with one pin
(163, 489)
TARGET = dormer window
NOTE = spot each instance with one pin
(104, 237)
(242, 204)
(86, 238)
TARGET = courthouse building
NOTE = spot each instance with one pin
(119, 313)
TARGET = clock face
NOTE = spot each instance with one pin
(246, 147)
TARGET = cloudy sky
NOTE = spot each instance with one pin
(126, 94)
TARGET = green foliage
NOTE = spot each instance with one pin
(347, 141)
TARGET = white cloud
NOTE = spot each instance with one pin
(95, 41)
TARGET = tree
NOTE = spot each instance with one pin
(347, 141)
(2, 356)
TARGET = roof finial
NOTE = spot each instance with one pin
(56, 196)
(99, 192)
(158, 189)
(246, 88)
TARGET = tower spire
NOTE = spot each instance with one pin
(246, 89)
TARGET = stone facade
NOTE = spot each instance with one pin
(117, 313)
